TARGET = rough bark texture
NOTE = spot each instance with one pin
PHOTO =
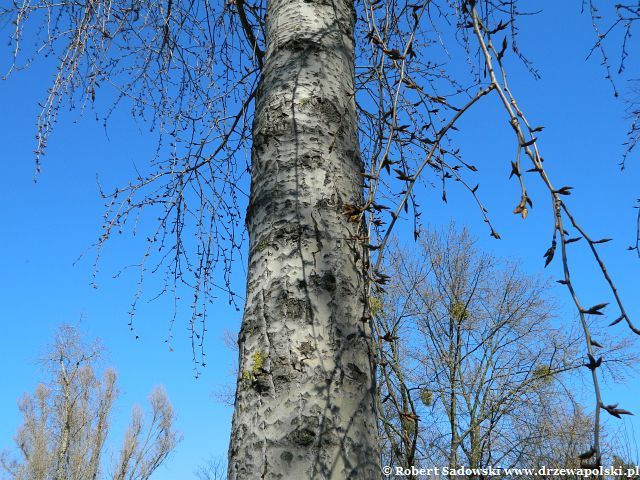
(304, 405)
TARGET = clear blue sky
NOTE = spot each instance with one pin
(48, 224)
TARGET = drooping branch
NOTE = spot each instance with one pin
(527, 143)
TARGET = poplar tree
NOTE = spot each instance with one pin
(68, 417)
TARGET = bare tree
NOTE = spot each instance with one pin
(563, 435)
(213, 469)
(626, 454)
(66, 422)
(472, 368)
(329, 144)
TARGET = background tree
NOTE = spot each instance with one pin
(473, 369)
(562, 436)
(213, 469)
(624, 452)
(67, 420)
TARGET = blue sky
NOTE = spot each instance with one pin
(48, 224)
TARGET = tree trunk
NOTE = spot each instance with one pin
(304, 405)
(65, 422)
(454, 356)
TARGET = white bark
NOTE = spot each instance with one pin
(304, 404)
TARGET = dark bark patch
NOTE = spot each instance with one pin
(354, 372)
(306, 349)
(318, 2)
(282, 374)
(326, 110)
(286, 457)
(262, 384)
(288, 234)
(281, 383)
(322, 203)
(300, 45)
(310, 160)
(292, 308)
(327, 281)
(303, 437)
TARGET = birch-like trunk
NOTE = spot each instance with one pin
(304, 405)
